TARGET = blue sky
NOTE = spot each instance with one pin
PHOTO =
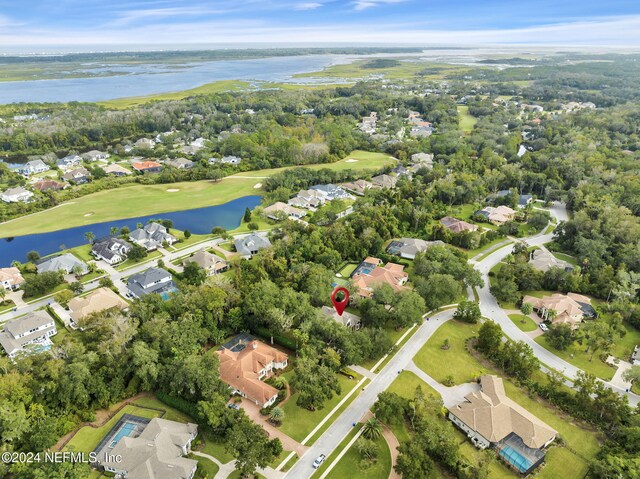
(118, 22)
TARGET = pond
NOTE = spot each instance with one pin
(197, 221)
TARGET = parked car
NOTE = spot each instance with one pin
(319, 460)
(544, 327)
(233, 406)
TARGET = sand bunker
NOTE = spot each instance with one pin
(351, 160)
(89, 214)
(257, 185)
(172, 190)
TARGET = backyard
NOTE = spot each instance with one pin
(349, 464)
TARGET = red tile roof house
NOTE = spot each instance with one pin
(457, 226)
(244, 369)
(392, 274)
(147, 167)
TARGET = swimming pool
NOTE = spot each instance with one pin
(513, 457)
(127, 429)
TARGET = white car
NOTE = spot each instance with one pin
(319, 460)
(544, 327)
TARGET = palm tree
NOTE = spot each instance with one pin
(276, 415)
(526, 310)
(372, 429)
(3, 294)
(89, 236)
(280, 383)
(114, 231)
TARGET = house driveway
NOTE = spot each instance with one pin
(617, 377)
(253, 411)
(62, 313)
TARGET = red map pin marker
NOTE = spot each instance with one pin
(340, 305)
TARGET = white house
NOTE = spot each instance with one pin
(16, 195)
(31, 332)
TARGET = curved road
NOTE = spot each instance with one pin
(490, 308)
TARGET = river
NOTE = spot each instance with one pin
(150, 79)
(198, 221)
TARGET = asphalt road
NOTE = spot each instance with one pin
(334, 435)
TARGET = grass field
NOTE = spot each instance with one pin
(206, 468)
(299, 422)
(576, 355)
(336, 451)
(405, 70)
(466, 122)
(137, 200)
(528, 325)
(349, 465)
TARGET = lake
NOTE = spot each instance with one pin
(149, 79)
(198, 221)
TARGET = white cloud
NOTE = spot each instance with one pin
(307, 6)
(360, 5)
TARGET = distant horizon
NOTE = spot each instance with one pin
(74, 23)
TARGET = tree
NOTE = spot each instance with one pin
(372, 429)
(526, 309)
(408, 309)
(468, 312)
(247, 215)
(124, 231)
(314, 381)
(105, 282)
(114, 231)
(137, 253)
(632, 375)
(218, 231)
(367, 449)
(193, 274)
(490, 339)
(598, 336)
(42, 283)
(280, 383)
(504, 289)
(390, 407)
(560, 336)
(250, 445)
(253, 226)
(77, 287)
(276, 415)
(33, 256)
(89, 236)
(413, 461)
(187, 234)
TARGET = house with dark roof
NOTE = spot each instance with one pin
(30, 333)
(384, 181)
(155, 453)
(409, 247)
(150, 281)
(347, 319)
(68, 162)
(250, 244)
(152, 236)
(112, 250)
(78, 176)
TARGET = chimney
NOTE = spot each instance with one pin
(255, 344)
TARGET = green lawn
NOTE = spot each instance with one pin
(346, 271)
(318, 472)
(528, 325)
(216, 448)
(207, 469)
(577, 356)
(405, 70)
(349, 464)
(474, 252)
(129, 263)
(467, 122)
(299, 422)
(572, 260)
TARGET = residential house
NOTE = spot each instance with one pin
(358, 187)
(497, 215)
(98, 300)
(524, 200)
(33, 167)
(521, 151)
(543, 260)
(370, 274)
(569, 309)
(331, 192)
(384, 181)
(635, 356)
(78, 176)
(250, 245)
(308, 199)
(10, 278)
(279, 210)
(347, 319)
(179, 163)
(147, 166)
(211, 263)
(231, 160)
(401, 170)
(155, 453)
(16, 195)
(491, 419)
(244, 362)
(112, 250)
(189, 149)
(116, 170)
(65, 262)
(29, 333)
(409, 247)
(68, 161)
(152, 280)
(145, 144)
(368, 123)
(152, 236)
(457, 226)
(95, 155)
(46, 185)
(421, 131)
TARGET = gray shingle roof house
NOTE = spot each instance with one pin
(111, 250)
(347, 319)
(157, 453)
(544, 260)
(78, 175)
(250, 245)
(384, 181)
(179, 163)
(32, 167)
(95, 155)
(152, 280)
(69, 161)
(331, 192)
(152, 236)
(15, 195)
(409, 247)
(33, 329)
(64, 262)
(211, 263)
